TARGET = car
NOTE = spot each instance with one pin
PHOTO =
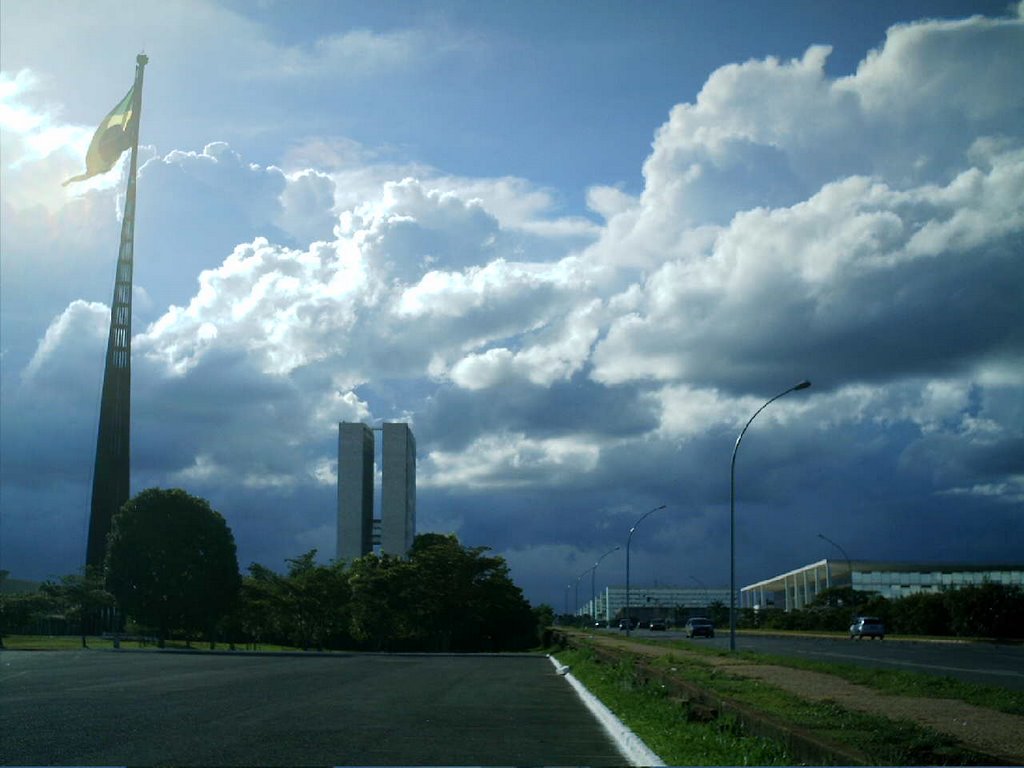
(867, 626)
(658, 625)
(698, 627)
(629, 623)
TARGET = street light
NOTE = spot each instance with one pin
(732, 514)
(705, 586)
(849, 565)
(593, 591)
(629, 538)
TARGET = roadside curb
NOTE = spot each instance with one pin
(628, 743)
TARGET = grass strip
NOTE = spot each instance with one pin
(896, 682)
(664, 723)
(885, 741)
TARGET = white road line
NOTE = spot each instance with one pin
(628, 743)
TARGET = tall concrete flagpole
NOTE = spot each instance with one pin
(111, 475)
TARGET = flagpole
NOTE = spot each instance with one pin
(111, 475)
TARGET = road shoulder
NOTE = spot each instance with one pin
(985, 731)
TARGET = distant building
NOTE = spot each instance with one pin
(358, 532)
(798, 588)
(355, 491)
(398, 491)
(653, 602)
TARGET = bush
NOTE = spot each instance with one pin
(979, 610)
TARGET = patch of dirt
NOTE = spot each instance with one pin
(988, 731)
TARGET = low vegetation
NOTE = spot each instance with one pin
(903, 683)
(677, 733)
(975, 610)
(881, 740)
(172, 575)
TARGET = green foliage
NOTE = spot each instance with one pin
(316, 598)
(986, 610)
(305, 608)
(383, 608)
(980, 610)
(21, 611)
(718, 612)
(445, 597)
(171, 562)
(79, 597)
(543, 616)
(665, 723)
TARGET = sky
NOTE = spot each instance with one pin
(575, 245)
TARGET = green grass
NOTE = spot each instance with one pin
(885, 741)
(663, 722)
(894, 742)
(895, 682)
(902, 683)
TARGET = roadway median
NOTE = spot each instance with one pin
(815, 716)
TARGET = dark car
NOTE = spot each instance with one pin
(867, 626)
(658, 625)
(700, 628)
(629, 623)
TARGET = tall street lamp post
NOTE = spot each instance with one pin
(704, 586)
(629, 618)
(576, 609)
(849, 564)
(593, 591)
(732, 513)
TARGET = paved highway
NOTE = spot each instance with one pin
(987, 663)
(146, 708)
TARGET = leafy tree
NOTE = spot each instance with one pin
(444, 597)
(718, 612)
(80, 596)
(260, 612)
(383, 609)
(920, 614)
(847, 598)
(986, 610)
(171, 562)
(317, 598)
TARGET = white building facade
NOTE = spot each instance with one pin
(797, 588)
(661, 601)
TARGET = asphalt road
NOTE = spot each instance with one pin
(146, 708)
(988, 663)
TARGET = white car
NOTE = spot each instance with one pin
(867, 626)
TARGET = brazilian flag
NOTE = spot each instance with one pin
(115, 134)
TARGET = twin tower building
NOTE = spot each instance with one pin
(358, 530)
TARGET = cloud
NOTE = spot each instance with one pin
(860, 280)
(562, 374)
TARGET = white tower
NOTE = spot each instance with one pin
(357, 532)
(398, 495)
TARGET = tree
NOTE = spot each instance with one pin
(80, 596)
(384, 611)
(317, 598)
(171, 562)
(986, 610)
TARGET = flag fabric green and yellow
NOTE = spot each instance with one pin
(115, 134)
